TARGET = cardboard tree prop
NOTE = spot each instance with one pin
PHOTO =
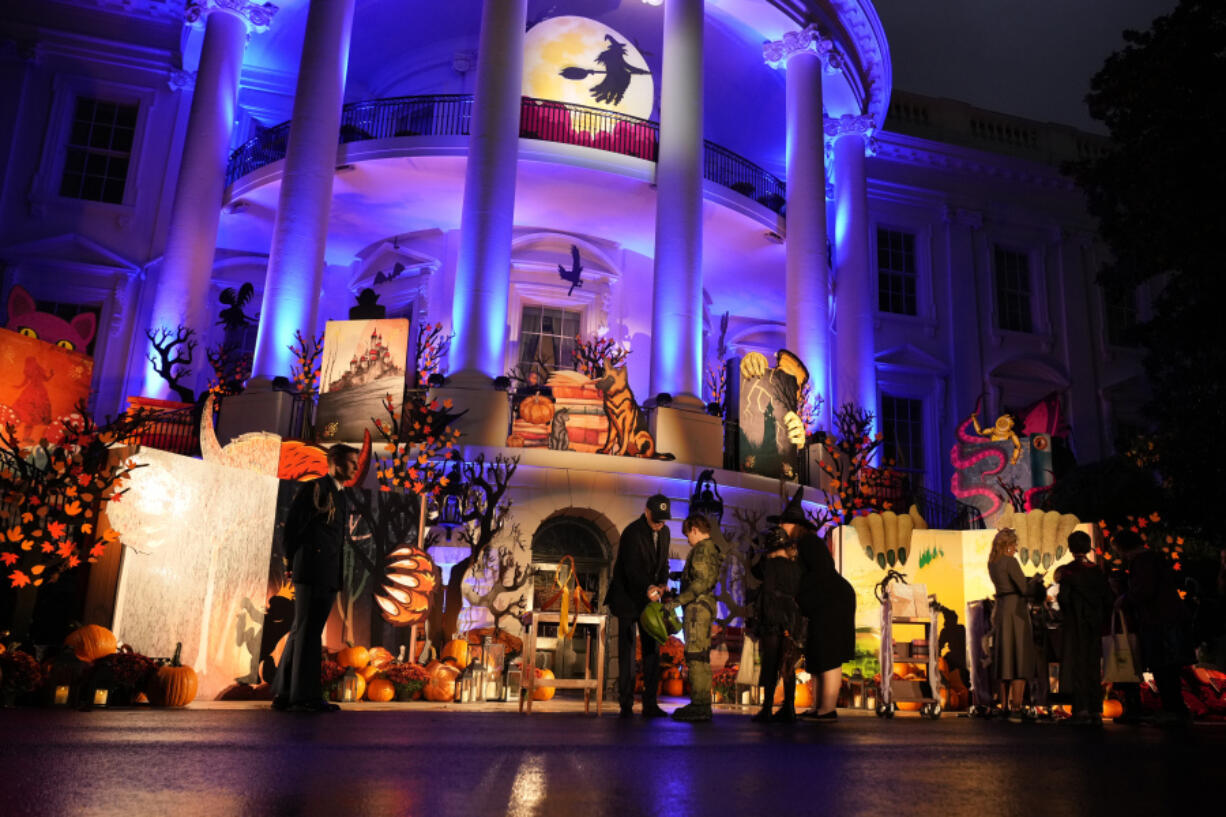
(772, 430)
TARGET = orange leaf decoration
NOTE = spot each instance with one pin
(14, 534)
(72, 508)
(19, 578)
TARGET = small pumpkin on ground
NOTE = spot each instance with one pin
(440, 683)
(543, 693)
(174, 684)
(674, 687)
(91, 642)
(380, 690)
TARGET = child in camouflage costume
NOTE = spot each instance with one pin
(697, 599)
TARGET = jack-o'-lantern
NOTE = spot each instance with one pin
(1112, 708)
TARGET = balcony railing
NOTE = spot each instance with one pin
(549, 121)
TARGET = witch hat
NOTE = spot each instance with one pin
(794, 512)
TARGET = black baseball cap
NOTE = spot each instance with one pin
(658, 506)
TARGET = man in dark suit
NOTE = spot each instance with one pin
(640, 575)
(314, 539)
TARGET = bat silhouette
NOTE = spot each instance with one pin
(233, 317)
(575, 273)
(617, 73)
(383, 277)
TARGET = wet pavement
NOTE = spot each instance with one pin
(410, 760)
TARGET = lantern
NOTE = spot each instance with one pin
(494, 659)
(349, 689)
(65, 678)
(451, 503)
(101, 684)
(470, 684)
(706, 499)
(857, 686)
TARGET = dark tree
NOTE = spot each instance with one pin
(1154, 191)
(174, 357)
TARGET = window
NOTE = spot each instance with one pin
(895, 272)
(547, 336)
(1121, 316)
(902, 426)
(1013, 291)
(99, 150)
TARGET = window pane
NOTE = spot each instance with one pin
(97, 156)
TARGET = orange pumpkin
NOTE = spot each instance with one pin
(674, 687)
(456, 652)
(1112, 708)
(356, 657)
(369, 671)
(408, 584)
(909, 706)
(543, 693)
(380, 690)
(537, 410)
(804, 696)
(380, 657)
(173, 685)
(91, 642)
(440, 685)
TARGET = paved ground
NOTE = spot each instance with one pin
(413, 760)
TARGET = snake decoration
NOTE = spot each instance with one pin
(976, 459)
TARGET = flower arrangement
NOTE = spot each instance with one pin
(130, 670)
(672, 652)
(330, 673)
(21, 671)
(408, 678)
(723, 683)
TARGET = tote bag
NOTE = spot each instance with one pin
(1119, 653)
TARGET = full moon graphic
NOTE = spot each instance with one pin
(572, 44)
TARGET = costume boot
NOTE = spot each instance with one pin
(787, 712)
(699, 708)
(768, 699)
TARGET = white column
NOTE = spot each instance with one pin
(483, 265)
(676, 315)
(855, 373)
(296, 260)
(182, 294)
(807, 331)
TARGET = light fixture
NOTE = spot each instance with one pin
(451, 503)
(664, 399)
(349, 686)
(706, 499)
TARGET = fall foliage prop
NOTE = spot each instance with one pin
(174, 684)
(440, 681)
(432, 346)
(305, 371)
(1153, 536)
(231, 368)
(50, 495)
(91, 642)
(380, 690)
(856, 488)
(591, 356)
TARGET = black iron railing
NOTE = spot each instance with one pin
(549, 121)
(176, 431)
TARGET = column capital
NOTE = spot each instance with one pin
(806, 41)
(180, 79)
(850, 125)
(257, 16)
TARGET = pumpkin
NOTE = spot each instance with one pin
(543, 693)
(1112, 708)
(91, 642)
(367, 672)
(515, 441)
(175, 684)
(803, 696)
(380, 657)
(537, 410)
(408, 583)
(909, 706)
(356, 657)
(456, 651)
(674, 687)
(380, 690)
(440, 685)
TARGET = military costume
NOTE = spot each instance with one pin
(697, 599)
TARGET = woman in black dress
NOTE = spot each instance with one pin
(828, 601)
(778, 623)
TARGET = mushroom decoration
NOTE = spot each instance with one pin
(408, 584)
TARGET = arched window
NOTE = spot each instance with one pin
(570, 536)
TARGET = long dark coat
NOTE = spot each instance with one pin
(776, 608)
(829, 602)
(315, 533)
(1163, 623)
(642, 560)
(1013, 652)
(1085, 607)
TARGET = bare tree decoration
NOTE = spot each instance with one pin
(174, 357)
(231, 368)
(500, 577)
(591, 356)
(432, 347)
(736, 583)
(305, 371)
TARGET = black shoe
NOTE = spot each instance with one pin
(693, 713)
(314, 706)
(653, 711)
(626, 712)
(786, 714)
(280, 703)
(763, 715)
(832, 715)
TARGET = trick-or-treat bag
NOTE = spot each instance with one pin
(1119, 653)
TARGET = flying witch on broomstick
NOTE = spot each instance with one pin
(617, 73)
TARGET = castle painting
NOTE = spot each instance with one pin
(363, 363)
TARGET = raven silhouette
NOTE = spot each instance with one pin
(617, 73)
(575, 273)
(233, 317)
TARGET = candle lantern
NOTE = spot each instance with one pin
(857, 686)
(468, 686)
(65, 678)
(494, 659)
(101, 684)
(349, 686)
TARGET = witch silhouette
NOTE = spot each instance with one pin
(617, 73)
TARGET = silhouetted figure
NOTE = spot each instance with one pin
(1085, 606)
(617, 73)
(778, 624)
(575, 274)
(953, 635)
(232, 317)
(368, 307)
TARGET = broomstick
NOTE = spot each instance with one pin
(573, 72)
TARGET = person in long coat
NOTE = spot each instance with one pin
(828, 601)
(640, 575)
(1085, 605)
(779, 626)
(1013, 652)
(314, 541)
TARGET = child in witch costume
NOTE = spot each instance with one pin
(778, 624)
(697, 599)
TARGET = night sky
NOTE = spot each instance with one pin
(1031, 58)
